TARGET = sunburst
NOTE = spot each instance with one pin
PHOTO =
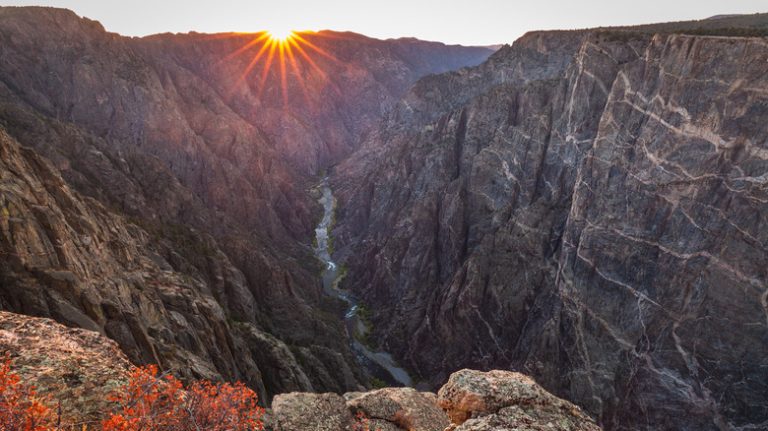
(288, 48)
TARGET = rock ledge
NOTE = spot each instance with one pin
(470, 401)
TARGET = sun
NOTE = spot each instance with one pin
(278, 34)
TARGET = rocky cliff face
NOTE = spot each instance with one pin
(70, 258)
(588, 207)
(180, 225)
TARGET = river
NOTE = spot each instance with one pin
(380, 365)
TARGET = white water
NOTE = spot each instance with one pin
(378, 364)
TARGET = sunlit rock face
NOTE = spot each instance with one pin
(587, 207)
(505, 400)
(313, 94)
(203, 176)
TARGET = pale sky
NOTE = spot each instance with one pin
(469, 22)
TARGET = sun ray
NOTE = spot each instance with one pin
(267, 65)
(254, 61)
(297, 72)
(283, 77)
(316, 48)
(308, 58)
(246, 47)
(331, 35)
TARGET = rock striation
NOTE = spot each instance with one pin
(586, 207)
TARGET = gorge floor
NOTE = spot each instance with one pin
(379, 365)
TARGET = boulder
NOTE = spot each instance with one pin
(301, 411)
(404, 408)
(506, 400)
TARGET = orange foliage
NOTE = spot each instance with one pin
(362, 423)
(20, 407)
(149, 402)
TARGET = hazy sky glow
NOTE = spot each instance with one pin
(452, 21)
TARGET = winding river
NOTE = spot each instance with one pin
(380, 365)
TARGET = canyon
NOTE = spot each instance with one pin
(588, 208)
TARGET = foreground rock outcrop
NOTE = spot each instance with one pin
(79, 369)
(74, 368)
(387, 409)
(472, 400)
(399, 408)
(500, 400)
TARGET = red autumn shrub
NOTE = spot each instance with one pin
(20, 407)
(150, 402)
(223, 407)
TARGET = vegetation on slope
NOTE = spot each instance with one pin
(149, 401)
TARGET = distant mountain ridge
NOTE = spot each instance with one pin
(725, 16)
(736, 25)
